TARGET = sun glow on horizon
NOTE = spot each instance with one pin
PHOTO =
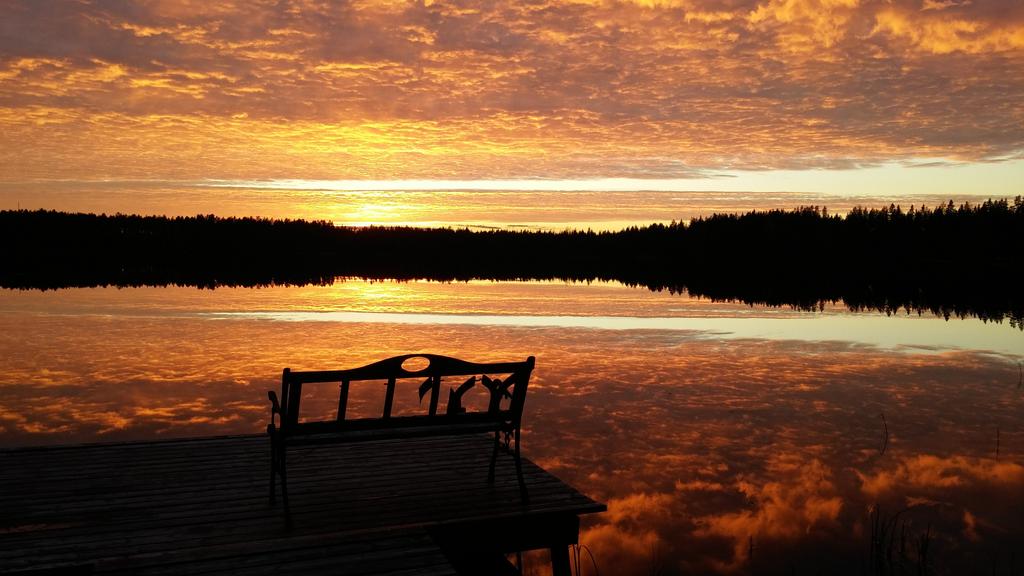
(998, 179)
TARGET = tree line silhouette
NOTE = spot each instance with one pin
(949, 260)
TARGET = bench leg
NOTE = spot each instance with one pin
(284, 476)
(519, 471)
(273, 463)
(494, 458)
(277, 468)
(273, 474)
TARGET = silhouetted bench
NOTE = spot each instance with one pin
(509, 382)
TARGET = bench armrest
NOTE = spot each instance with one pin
(275, 406)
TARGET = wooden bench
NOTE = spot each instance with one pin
(504, 382)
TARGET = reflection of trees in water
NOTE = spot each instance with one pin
(948, 261)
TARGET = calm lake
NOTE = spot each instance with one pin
(724, 438)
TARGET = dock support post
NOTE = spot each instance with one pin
(560, 561)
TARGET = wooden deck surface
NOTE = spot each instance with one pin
(201, 507)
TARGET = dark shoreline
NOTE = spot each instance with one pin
(949, 260)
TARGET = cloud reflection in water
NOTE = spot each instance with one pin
(726, 455)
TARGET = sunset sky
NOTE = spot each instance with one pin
(886, 96)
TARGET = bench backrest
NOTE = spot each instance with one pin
(510, 380)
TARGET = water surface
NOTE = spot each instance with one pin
(724, 438)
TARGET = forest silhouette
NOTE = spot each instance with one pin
(949, 260)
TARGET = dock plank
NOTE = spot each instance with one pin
(200, 506)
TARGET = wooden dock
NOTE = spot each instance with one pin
(413, 506)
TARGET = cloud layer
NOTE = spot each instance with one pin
(427, 89)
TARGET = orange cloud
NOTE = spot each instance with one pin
(941, 33)
(803, 499)
(929, 473)
(806, 25)
(387, 90)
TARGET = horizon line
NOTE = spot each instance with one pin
(893, 180)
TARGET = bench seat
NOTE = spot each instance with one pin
(324, 434)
